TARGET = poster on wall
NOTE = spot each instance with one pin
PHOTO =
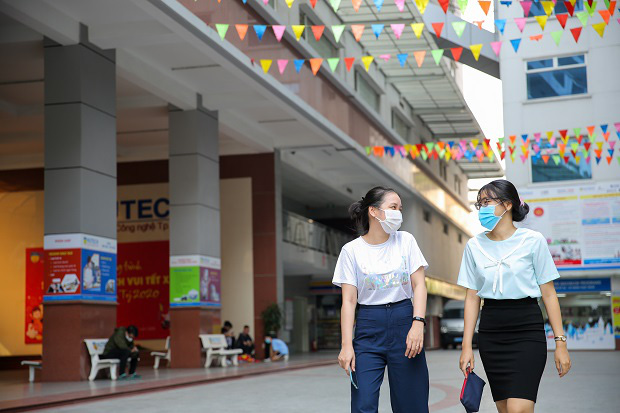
(34, 296)
(143, 287)
(615, 310)
(195, 280)
(581, 224)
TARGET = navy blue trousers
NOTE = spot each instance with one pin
(380, 341)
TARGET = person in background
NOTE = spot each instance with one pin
(244, 342)
(278, 350)
(121, 346)
(228, 332)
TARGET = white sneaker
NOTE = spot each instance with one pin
(267, 361)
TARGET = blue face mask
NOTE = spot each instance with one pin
(352, 381)
(487, 217)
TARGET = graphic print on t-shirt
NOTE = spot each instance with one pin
(399, 277)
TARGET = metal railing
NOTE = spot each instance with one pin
(306, 233)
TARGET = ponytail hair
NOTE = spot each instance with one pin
(505, 191)
(359, 210)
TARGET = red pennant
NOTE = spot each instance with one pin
(318, 32)
(512, 149)
(438, 27)
(566, 158)
(605, 14)
(348, 61)
(590, 2)
(456, 52)
(574, 153)
(562, 19)
(252, 60)
(313, 4)
(598, 152)
(570, 8)
(609, 158)
(612, 7)
(576, 31)
(579, 139)
(563, 133)
(444, 5)
(587, 146)
(502, 155)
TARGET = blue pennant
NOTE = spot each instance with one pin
(501, 25)
(379, 4)
(402, 58)
(377, 29)
(604, 128)
(260, 30)
(515, 44)
(298, 64)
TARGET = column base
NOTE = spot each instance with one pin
(185, 326)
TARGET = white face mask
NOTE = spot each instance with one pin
(128, 338)
(392, 222)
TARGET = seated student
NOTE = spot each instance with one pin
(244, 342)
(227, 330)
(277, 349)
(121, 346)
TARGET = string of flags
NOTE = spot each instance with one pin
(581, 146)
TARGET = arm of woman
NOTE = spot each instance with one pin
(346, 358)
(550, 298)
(472, 309)
(415, 337)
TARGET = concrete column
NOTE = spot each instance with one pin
(80, 206)
(194, 233)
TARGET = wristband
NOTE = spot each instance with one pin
(416, 318)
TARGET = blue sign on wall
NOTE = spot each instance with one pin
(582, 285)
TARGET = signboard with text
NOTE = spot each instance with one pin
(195, 281)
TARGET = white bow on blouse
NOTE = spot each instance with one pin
(499, 273)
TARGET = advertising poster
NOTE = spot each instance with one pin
(581, 224)
(143, 287)
(615, 308)
(195, 280)
(34, 296)
(184, 286)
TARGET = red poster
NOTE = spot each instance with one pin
(62, 273)
(143, 270)
(34, 296)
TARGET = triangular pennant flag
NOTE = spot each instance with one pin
(315, 64)
(536, 37)
(313, 3)
(417, 29)
(437, 54)
(282, 63)
(335, 4)
(570, 8)
(547, 6)
(379, 4)
(556, 159)
(479, 23)
(524, 138)
(606, 3)
(591, 130)
(421, 5)
(520, 22)
(398, 29)
(576, 32)
(278, 31)
(266, 64)
(506, 3)
(402, 58)
(485, 5)
(456, 53)
(515, 44)
(444, 5)
(358, 30)
(617, 126)
(377, 29)
(587, 146)
(600, 28)
(260, 30)
(545, 158)
(419, 56)
(606, 136)
(500, 24)
(348, 61)
(242, 30)
(562, 17)
(356, 4)
(542, 21)
(527, 5)
(563, 134)
(367, 60)
(462, 5)
(583, 17)
(289, 3)
(496, 47)
(557, 35)
(591, 8)
(298, 29)
(368, 150)
(604, 127)
(333, 63)
(298, 64)
(318, 32)
(475, 50)
(385, 57)
(222, 29)
(437, 27)
(400, 5)
(337, 30)
(459, 27)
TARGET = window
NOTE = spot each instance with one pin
(457, 184)
(538, 10)
(557, 76)
(427, 215)
(443, 170)
(562, 171)
(445, 228)
(366, 91)
(324, 47)
(400, 126)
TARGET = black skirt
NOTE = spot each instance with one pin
(513, 347)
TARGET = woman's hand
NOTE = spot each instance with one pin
(415, 339)
(562, 359)
(467, 358)
(346, 358)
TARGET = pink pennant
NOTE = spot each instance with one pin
(282, 65)
(611, 144)
(520, 21)
(537, 137)
(552, 140)
(266, 2)
(385, 57)
(278, 31)
(523, 157)
(496, 47)
(617, 125)
(527, 5)
(398, 29)
(400, 4)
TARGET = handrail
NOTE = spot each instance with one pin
(308, 234)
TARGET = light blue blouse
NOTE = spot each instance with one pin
(510, 269)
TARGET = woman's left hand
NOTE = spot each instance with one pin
(562, 359)
(415, 339)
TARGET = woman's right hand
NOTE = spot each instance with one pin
(346, 358)
(467, 358)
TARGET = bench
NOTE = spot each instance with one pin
(162, 355)
(32, 366)
(95, 348)
(215, 346)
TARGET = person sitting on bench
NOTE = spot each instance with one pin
(277, 350)
(245, 342)
(121, 346)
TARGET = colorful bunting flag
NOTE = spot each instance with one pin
(444, 5)
(562, 17)
(356, 4)
(475, 50)
(437, 27)
(557, 35)
(278, 31)
(515, 44)
(417, 29)
(221, 30)
(337, 31)
(398, 29)
(333, 63)
(456, 53)
(421, 5)
(527, 5)
(282, 63)
(260, 30)
(348, 61)
(485, 5)
(266, 64)
(496, 47)
(367, 60)
(298, 29)
(459, 27)
(520, 21)
(500, 24)
(437, 54)
(318, 32)
(335, 4)
(358, 30)
(377, 29)
(379, 4)
(298, 64)
(315, 64)
(576, 32)
(419, 56)
(599, 27)
(242, 30)
(542, 20)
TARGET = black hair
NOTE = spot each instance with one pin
(246, 326)
(505, 191)
(359, 209)
(228, 324)
(132, 330)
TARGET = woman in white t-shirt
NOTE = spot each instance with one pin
(382, 270)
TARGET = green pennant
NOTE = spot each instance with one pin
(583, 17)
(585, 152)
(501, 141)
(491, 155)
(368, 149)
(577, 132)
(607, 4)
(338, 30)
(424, 155)
(556, 159)
(463, 5)
(557, 35)
(222, 29)
(592, 138)
(459, 27)
(574, 145)
(335, 4)
(591, 9)
(618, 158)
(437, 53)
(333, 63)
(430, 145)
(442, 153)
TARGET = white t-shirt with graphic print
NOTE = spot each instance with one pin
(381, 272)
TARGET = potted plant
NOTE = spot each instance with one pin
(272, 319)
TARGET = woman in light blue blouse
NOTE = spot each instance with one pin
(510, 268)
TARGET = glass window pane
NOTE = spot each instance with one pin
(367, 93)
(571, 60)
(539, 64)
(542, 172)
(400, 126)
(557, 83)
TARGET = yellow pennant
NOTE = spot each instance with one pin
(577, 159)
(548, 6)
(417, 29)
(448, 155)
(542, 20)
(475, 50)
(524, 149)
(600, 28)
(266, 64)
(298, 29)
(289, 3)
(572, 2)
(367, 60)
(475, 142)
(421, 5)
